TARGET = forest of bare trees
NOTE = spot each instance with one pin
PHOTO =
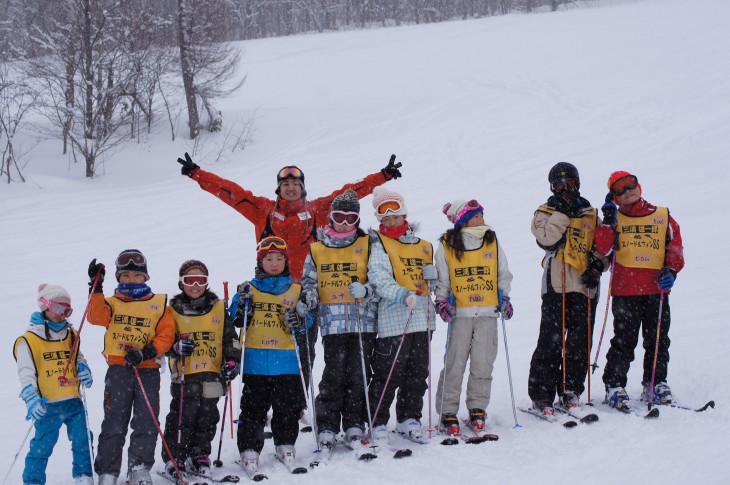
(102, 72)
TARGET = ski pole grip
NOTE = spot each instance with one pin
(355, 279)
(225, 291)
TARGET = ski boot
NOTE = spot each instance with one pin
(662, 394)
(544, 407)
(569, 400)
(618, 399)
(450, 424)
(477, 418)
(411, 427)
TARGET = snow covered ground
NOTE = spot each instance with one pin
(480, 109)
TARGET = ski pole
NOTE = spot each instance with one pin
(392, 366)
(182, 398)
(62, 379)
(217, 462)
(656, 348)
(10, 468)
(304, 384)
(565, 353)
(311, 378)
(157, 425)
(509, 369)
(446, 358)
(230, 387)
(242, 340)
(605, 315)
(428, 324)
(355, 279)
(589, 334)
(88, 426)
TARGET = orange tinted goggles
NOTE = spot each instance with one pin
(623, 184)
(271, 242)
(392, 206)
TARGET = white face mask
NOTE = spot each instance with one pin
(477, 231)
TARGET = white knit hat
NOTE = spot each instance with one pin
(381, 196)
(52, 293)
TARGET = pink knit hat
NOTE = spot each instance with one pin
(383, 196)
(54, 293)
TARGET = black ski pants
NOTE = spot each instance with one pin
(409, 376)
(546, 367)
(200, 418)
(123, 399)
(341, 397)
(631, 313)
(282, 393)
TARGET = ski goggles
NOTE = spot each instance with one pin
(619, 187)
(194, 280)
(271, 242)
(292, 172)
(563, 184)
(130, 258)
(392, 206)
(346, 218)
(472, 205)
(57, 309)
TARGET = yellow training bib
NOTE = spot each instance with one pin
(474, 278)
(337, 266)
(207, 332)
(267, 329)
(642, 240)
(578, 239)
(133, 324)
(408, 260)
(49, 358)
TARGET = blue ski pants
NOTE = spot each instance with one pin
(71, 413)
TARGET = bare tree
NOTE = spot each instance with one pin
(209, 68)
(16, 100)
(86, 76)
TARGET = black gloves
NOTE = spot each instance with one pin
(136, 357)
(561, 204)
(391, 170)
(592, 276)
(609, 211)
(229, 370)
(188, 166)
(94, 270)
(184, 347)
(292, 320)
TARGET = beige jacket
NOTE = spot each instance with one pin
(548, 229)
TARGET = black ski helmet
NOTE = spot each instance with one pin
(562, 171)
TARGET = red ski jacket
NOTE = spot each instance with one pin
(294, 221)
(640, 281)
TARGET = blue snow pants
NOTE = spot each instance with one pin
(71, 413)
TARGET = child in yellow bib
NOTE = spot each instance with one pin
(473, 273)
(335, 283)
(42, 353)
(139, 330)
(205, 356)
(265, 307)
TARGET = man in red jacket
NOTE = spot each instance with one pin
(291, 216)
(648, 255)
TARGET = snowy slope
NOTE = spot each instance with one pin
(479, 109)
